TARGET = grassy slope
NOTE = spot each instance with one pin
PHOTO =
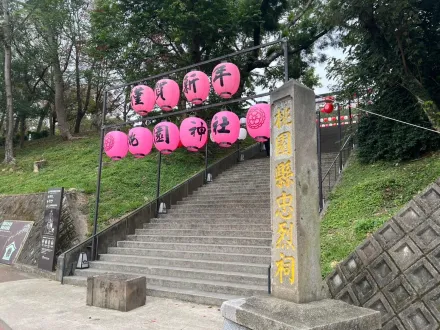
(367, 196)
(126, 184)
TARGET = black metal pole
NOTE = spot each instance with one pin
(98, 184)
(340, 137)
(286, 60)
(269, 288)
(318, 142)
(206, 160)
(159, 165)
(238, 151)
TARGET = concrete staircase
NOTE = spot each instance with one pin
(211, 247)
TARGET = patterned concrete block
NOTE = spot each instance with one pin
(364, 287)
(383, 270)
(432, 302)
(426, 235)
(369, 250)
(434, 257)
(405, 253)
(347, 295)
(394, 324)
(336, 282)
(389, 234)
(422, 276)
(429, 200)
(352, 266)
(380, 304)
(410, 217)
(417, 317)
(399, 294)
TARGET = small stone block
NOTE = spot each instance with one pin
(434, 257)
(336, 282)
(399, 293)
(383, 270)
(394, 324)
(429, 200)
(432, 302)
(405, 253)
(389, 234)
(410, 217)
(364, 287)
(257, 313)
(379, 303)
(347, 295)
(116, 291)
(422, 276)
(426, 235)
(369, 250)
(417, 317)
(352, 266)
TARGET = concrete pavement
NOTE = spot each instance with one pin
(44, 304)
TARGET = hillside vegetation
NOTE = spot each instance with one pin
(367, 196)
(126, 184)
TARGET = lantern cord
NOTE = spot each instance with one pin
(399, 121)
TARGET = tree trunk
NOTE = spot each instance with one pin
(52, 121)
(429, 106)
(22, 130)
(2, 120)
(79, 113)
(60, 108)
(40, 122)
(17, 122)
(9, 147)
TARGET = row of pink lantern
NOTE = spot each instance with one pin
(193, 134)
(166, 94)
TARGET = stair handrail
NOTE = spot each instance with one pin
(144, 213)
(337, 157)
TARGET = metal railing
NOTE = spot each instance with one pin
(336, 167)
(128, 224)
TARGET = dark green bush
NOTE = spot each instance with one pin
(384, 139)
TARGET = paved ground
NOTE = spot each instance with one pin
(7, 273)
(43, 304)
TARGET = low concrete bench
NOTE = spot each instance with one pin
(116, 291)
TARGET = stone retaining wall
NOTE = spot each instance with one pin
(397, 270)
(73, 226)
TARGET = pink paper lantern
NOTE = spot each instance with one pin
(193, 133)
(258, 122)
(226, 80)
(328, 108)
(142, 99)
(166, 137)
(116, 145)
(225, 127)
(196, 87)
(167, 94)
(140, 141)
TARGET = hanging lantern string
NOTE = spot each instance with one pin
(399, 121)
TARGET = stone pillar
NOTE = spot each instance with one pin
(297, 301)
(296, 272)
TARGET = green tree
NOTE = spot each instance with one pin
(391, 44)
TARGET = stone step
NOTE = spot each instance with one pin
(169, 285)
(216, 265)
(251, 220)
(246, 214)
(208, 211)
(180, 273)
(263, 178)
(192, 255)
(199, 232)
(202, 240)
(224, 201)
(244, 249)
(218, 204)
(204, 226)
(237, 195)
(239, 186)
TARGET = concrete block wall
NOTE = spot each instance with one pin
(397, 270)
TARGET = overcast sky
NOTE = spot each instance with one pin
(322, 71)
